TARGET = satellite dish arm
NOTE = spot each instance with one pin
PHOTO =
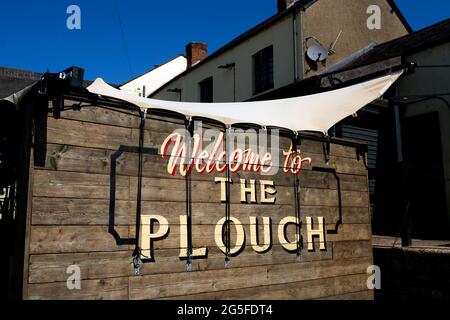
(313, 38)
(333, 45)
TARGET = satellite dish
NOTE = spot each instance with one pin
(317, 53)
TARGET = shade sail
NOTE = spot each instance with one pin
(317, 112)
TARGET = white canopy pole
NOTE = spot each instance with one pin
(317, 112)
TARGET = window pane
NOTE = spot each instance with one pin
(206, 90)
(263, 70)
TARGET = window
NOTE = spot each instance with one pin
(206, 90)
(263, 70)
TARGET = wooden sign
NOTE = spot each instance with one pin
(238, 160)
(82, 212)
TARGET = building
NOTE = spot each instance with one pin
(12, 80)
(422, 96)
(271, 61)
(89, 199)
(146, 83)
(272, 55)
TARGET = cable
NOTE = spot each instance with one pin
(123, 38)
(137, 249)
(297, 201)
(405, 100)
(433, 66)
(227, 205)
(188, 181)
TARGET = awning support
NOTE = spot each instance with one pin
(189, 125)
(228, 200)
(137, 250)
(299, 239)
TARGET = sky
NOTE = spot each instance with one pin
(35, 36)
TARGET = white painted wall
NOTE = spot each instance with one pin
(279, 35)
(157, 77)
(324, 19)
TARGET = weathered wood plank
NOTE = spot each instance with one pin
(98, 115)
(352, 249)
(87, 134)
(203, 236)
(73, 239)
(52, 267)
(179, 284)
(358, 295)
(98, 265)
(64, 211)
(304, 290)
(107, 289)
(91, 160)
(60, 239)
(81, 185)
(167, 125)
(70, 218)
(78, 185)
(204, 191)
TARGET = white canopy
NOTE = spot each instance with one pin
(318, 112)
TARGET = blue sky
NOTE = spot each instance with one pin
(35, 37)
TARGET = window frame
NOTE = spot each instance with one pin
(201, 85)
(263, 70)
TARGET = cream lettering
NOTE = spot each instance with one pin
(261, 242)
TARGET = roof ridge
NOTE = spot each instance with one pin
(415, 32)
(156, 66)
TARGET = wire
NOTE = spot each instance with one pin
(227, 205)
(137, 249)
(406, 99)
(433, 66)
(123, 38)
(188, 181)
(297, 203)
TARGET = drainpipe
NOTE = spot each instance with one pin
(295, 42)
(298, 34)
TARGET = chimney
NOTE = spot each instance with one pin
(284, 4)
(195, 52)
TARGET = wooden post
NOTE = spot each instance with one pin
(17, 274)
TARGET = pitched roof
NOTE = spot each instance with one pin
(298, 5)
(151, 69)
(428, 37)
(13, 80)
(400, 15)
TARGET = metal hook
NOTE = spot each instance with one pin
(137, 264)
(227, 261)
(189, 264)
